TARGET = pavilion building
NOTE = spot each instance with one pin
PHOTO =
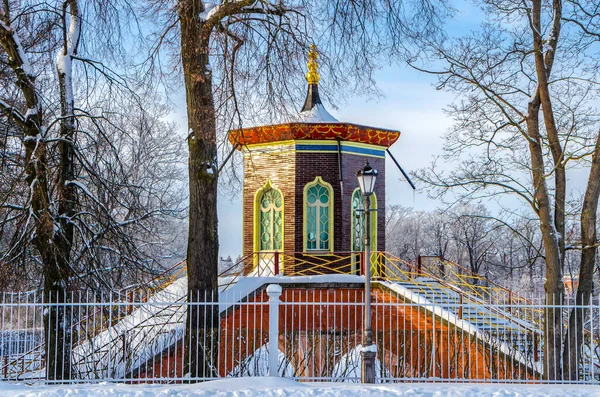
(300, 191)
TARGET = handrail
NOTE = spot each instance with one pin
(465, 273)
(475, 295)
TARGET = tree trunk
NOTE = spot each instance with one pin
(543, 65)
(36, 176)
(552, 229)
(553, 285)
(203, 239)
(58, 327)
(575, 336)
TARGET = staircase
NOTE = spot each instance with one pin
(494, 314)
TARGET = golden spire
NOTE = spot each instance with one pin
(313, 75)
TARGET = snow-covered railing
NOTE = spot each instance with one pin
(286, 328)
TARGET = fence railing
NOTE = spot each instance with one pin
(311, 334)
(457, 283)
(383, 265)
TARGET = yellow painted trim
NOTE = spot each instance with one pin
(256, 223)
(344, 152)
(315, 143)
(361, 154)
(289, 146)
(374, 217)
(318, 180)
(270, 144)
(283, 151)
(243, 217)
(363, 145)
(274, 152)
(334, 143)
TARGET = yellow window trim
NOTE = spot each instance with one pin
(268, 185)
(318, 180)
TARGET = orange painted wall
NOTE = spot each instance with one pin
(315, 337)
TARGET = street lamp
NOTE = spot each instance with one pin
(366, 180)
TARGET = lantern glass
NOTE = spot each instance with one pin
(366, 179)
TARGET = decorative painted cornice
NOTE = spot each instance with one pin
(346, 132)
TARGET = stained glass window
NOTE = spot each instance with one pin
(271, 221)
(358, 222)
(317, 210)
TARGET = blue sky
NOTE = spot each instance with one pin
(410, 104)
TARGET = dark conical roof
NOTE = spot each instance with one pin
(312, 98)
(313, 109)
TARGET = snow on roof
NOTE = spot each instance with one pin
(318, 114)
(161, 320)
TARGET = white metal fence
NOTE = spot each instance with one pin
(311, 334)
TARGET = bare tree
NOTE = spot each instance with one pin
(519, 252)
(395, 217)
(473, 231)
(509, 250)
(438, 227)
(78, 206)
(526, 116)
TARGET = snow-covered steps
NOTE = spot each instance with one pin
(466, 306)
(488, 322)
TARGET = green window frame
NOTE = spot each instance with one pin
(357, 243)
(318, 216)
(269, 216)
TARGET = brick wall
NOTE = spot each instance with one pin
(280, 168)
(290, 171)
(308, 167)
(350, 166)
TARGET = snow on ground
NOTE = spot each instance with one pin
(265, 386)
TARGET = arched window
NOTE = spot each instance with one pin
(318, 216)
(358, 222)
(269, 219)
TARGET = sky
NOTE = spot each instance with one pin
(410, 104)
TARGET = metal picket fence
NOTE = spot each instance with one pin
(304, 333)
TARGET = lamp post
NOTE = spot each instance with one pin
(366, 180)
